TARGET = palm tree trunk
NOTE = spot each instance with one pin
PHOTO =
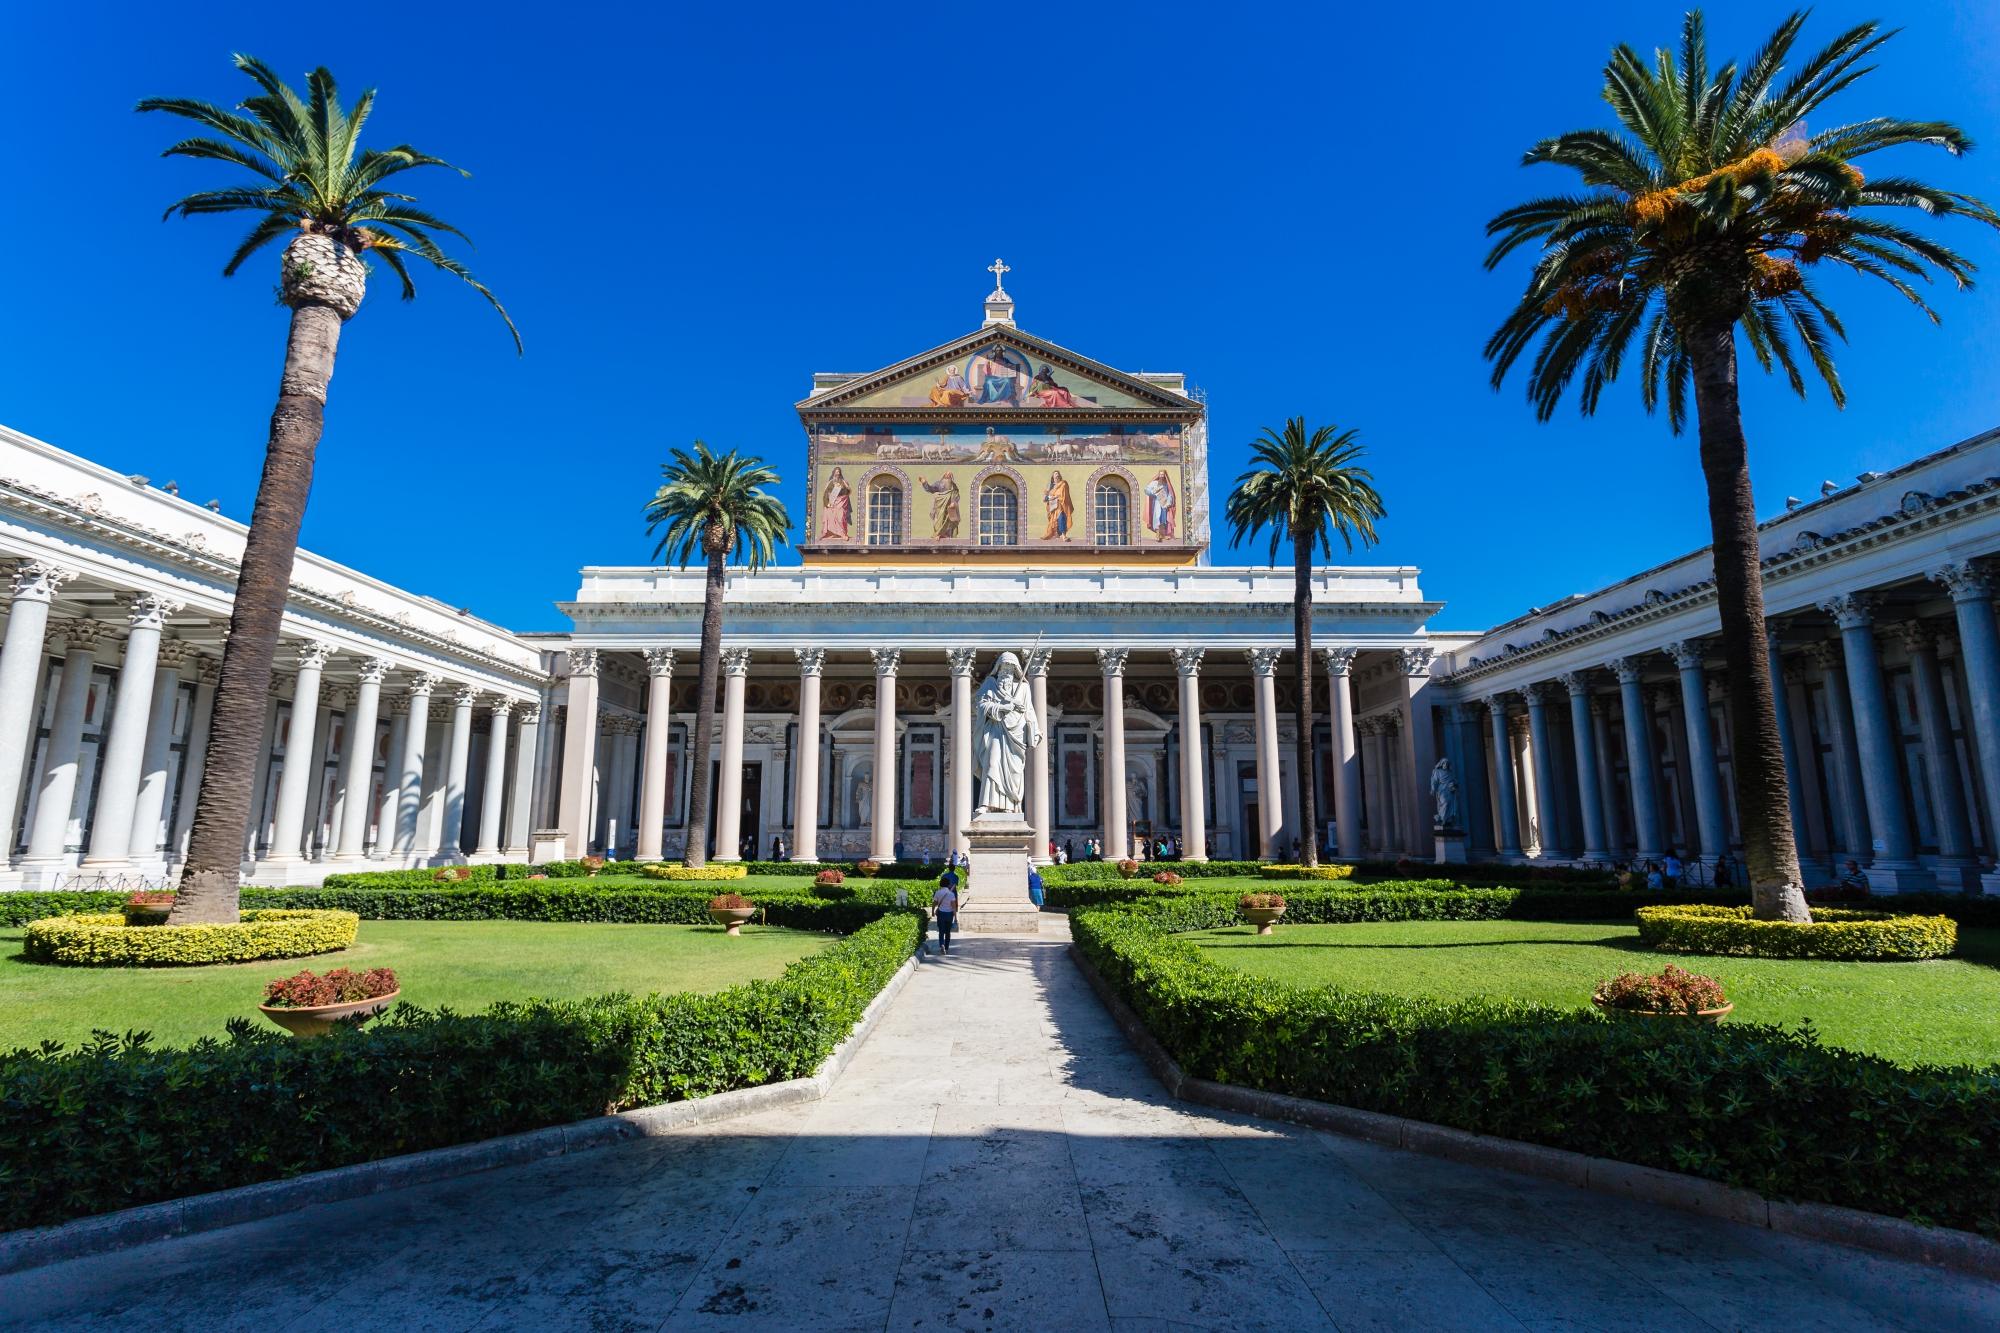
(1770, 852)
(210, 881)
(1304, 771)
(696, 853)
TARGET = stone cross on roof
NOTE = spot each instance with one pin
(999, 305)
(998, 268)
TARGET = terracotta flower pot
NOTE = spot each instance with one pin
(319, 1019)
(1263, 917)
(731, 918)
(1699, 1016)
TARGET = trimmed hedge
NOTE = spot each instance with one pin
(683, 905)
(1833, 933)
(1333, 870)
(1091, 872)
(104, 940)
(119, 1123)
(704, 874)
(1757, 1107)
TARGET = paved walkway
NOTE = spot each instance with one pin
(995, 1157)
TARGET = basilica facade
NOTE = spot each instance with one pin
(996, 493)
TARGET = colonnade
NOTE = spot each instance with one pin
(586, 719)
(137, 785)
(1858, 774)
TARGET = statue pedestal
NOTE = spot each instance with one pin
(996, 896)
(1450, 846)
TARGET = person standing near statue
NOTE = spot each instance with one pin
(944, 906)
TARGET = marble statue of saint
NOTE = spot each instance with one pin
(1004, 714)
(1444, 793)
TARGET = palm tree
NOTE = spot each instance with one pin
(1305, 488)
(713, 506)
(1708, 210)
(318, 186)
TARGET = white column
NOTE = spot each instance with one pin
(49, 837)
(1971, 589)
(521, 805)
(729, 781)
(122, 755)
(1346, 763)
(409, 784)
(430, 813)
(1417, 748)
(1543, 755)
(1957, 867)
(1270, 808)
(579, 768)
(357, 763)
(1639, 769)
(1590, 794)
(882, 839)
(1194, 806)
(1895, 868)
(961, 661)
(34, 585)
(1111, 787)
(659, 731)
(451, 845)
(1035, 661)
(288, 828)
(1711, 822)
(197, 755)
(149, 812)
(1504, 790)
(805, 792)
(494, 792)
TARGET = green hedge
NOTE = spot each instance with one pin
(1833, 933)
(102, 939)
(1092, 872)
(119, 1123)
(1757, 1107)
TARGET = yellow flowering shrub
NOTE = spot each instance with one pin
(1832, 933)
(659, 870)
(1306, 872)
(102, 939)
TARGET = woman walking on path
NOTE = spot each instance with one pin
(944, 905)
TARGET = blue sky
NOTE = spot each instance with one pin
(690, 210)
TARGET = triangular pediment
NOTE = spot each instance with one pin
(997, 369)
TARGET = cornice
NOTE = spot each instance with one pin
(599, 611)
(1917, 512)
(189, 554)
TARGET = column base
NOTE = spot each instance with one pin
(1958, 875)
(290, 872)
(1990, 881)
(1450, 848)
(42, 872)
(1900, 877)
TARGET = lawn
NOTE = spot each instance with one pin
(463, 965)
(1940, 1012)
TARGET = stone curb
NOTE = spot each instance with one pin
(37, 1246)
(1944, 1247)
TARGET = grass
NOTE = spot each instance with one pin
(1937, 1012)
(463, 965)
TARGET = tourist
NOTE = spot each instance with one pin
(1853, 878)
(944, 904)
(1725, 872)
(1068, 850)
(1653, 880)
(898, 849)
(1671, 871)
(778, 847)
(1035, 890)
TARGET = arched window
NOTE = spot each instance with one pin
(999, 513)
(1111, 514)
(885, 513)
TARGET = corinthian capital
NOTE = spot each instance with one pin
(1263, 661)
(1627, 670)
(149, 610)
(313, 654)
(811, 660)
(1852, 610)
(886, 660)
(735, 661)
(583, 661)
(1964, 580)
(659, 661)
(1339, 661)
(1187, 661)
(1035, 661)
(961, 660)
(1576, 682)
(1415, 662)
(1111, 661)
(1686, 654)
(37, 580)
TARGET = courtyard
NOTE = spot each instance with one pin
(1936, 1012)
(460, 965)
(996, 1156)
